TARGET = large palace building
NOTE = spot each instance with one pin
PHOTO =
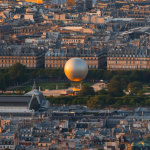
(30, 57)
(128, 57)
(56, 58)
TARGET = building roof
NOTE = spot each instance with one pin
(29, 102)
(82, 125)
(34, 91)
(14, 100)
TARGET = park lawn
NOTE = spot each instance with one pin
(46, 85)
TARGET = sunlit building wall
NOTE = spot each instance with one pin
(35, 1)
(71, 2)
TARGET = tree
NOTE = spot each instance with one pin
(147, 102)
(115, 89)
(134, 87)
(132, 102)
(2, 84)
(86, 90)
(124, 81)
(135, 75)
(93, 102)
(116, 78)
(140, 93)
(33, 73)
(102, 92)
(41, 73)
(18, 73)
(108, 75)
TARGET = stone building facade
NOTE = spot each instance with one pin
(57, 58)
(28, 61)
(30, 57)
(128, 57)
(126, 63)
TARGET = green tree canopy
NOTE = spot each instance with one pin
(102, 92)
(86, 90)
(115, 89)
(2, 84)
(18, 73)
(134, 87)
(147, 102)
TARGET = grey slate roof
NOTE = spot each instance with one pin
(17, 100)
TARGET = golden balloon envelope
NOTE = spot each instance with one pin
(76, 69)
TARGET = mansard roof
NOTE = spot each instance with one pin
(29, 102)
(14, 99)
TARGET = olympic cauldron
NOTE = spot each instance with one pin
(76, 70)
